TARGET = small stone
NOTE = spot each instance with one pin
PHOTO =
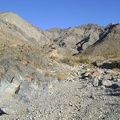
(118, 79)
(106, 82)
(95, 82)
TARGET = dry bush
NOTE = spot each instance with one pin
(84, 60)
(19, 57)
(36, 64)
(75, 60)
(62, 75)
(1, 74)
(70, 60)
(53, 57)
(47, 72)
(116, 69)
(2, 50)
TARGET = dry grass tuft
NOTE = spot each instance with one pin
(62, 75)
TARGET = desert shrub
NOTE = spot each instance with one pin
(47, 72)
(45, 45)
(116, 69)
(36, 64)
(70, 60)
(66, 60)
(19, 57)
(1, 50)
(62, 75)
(84, 60)
(53, 57)
(1, 74)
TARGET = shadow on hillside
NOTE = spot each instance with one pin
(104, 34)
(81, 43)
(108, 65)
(113, 90)
(111, 65)
(2, 112)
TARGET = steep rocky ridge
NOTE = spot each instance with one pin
(29, 31)
(105, 52)
(108, 46)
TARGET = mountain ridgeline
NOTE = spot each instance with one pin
(25, 49)
(90, 38)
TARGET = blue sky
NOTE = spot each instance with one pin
(47, 14)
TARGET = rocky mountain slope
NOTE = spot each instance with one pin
(108, 45)
(49, 74)
(20, 27)
(75, 39)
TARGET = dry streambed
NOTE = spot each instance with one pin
(92, 94)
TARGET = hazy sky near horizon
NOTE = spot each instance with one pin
(47, 14)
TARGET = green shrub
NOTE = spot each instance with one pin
(84, 60)
(71, 60)
(19, 57)
(66, 60)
